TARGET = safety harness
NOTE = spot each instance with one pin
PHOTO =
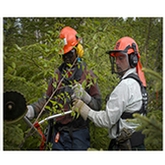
(143, 109)
(137, 138)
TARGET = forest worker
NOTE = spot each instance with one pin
(124, 100)
(70, 133)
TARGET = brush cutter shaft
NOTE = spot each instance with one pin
(54, 116)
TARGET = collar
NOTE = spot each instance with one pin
(131, 70)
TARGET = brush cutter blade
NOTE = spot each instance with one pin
(14, 106)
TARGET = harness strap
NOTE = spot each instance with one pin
(137, 138)
(126, 115)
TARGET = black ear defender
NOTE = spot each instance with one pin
(133, 58)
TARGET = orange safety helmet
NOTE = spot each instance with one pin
(129, 46)
(70, 38)
(125, 45)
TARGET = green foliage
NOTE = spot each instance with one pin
(157, 77)
(13, 137)
(31, 53)
(151, 127)
(32, 142)
(99, 137)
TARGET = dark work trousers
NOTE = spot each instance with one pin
(74, 140)
(114, 147)
(136, 143)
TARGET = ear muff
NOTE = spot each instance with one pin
(133, 60)
(79, 50)
(133, 57)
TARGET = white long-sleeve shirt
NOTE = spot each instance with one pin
(126, 97)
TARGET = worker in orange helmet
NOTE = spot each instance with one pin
(128, 97)
(69, 132)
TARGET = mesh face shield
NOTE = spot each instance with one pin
(119, 62)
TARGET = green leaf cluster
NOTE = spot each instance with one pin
(152, 128)
(13, 137)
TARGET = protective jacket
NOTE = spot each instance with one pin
(63, 95)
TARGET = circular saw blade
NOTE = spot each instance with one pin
(14, 106)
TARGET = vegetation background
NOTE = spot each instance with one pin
(31, 48)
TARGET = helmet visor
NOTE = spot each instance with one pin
(119, 62)
(116, 52)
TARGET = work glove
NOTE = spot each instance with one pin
(80, 93)
(81, 107)
(30, 113)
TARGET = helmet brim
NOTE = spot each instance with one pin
(67, 49)
(111, 52)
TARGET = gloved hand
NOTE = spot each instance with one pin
(30, 113)
(82, 108)
(80, 93)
